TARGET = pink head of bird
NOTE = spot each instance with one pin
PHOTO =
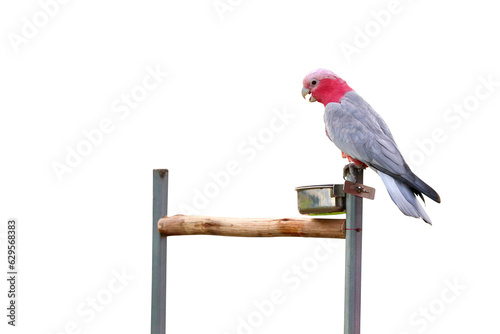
(324, 86)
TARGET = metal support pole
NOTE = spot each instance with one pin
(354, 225)
(159, 275)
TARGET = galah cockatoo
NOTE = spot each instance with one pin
(364, 138)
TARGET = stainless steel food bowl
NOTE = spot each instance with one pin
(321, 199)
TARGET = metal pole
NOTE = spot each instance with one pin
(159, 275)
(354, 225)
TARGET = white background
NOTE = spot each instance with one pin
(230, 71)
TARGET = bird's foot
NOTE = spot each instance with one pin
(351, 169)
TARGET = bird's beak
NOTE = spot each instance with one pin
(306, 91)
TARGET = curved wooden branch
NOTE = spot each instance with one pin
(252, 227)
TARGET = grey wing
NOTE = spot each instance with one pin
(361, 133)
(366, 114)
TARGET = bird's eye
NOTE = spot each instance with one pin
(313, 82)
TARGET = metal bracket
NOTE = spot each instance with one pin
(359, 190)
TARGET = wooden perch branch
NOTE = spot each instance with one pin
(252, 227)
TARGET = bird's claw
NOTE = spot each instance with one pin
(350, 171)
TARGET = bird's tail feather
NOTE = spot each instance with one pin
(425, 188)
(403, 196)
